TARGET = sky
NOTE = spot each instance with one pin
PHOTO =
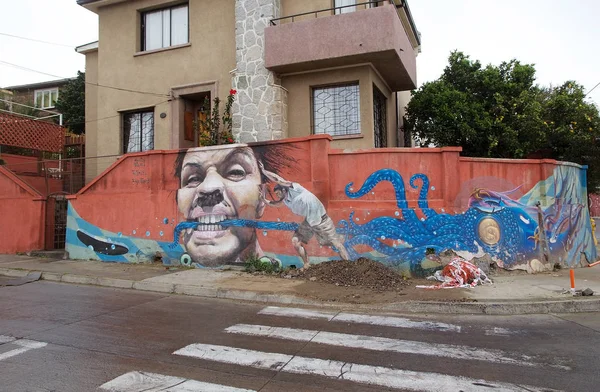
(560, 37)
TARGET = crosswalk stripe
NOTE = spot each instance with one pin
(153, 382)
(6, 339)
(364, 374)
(387, 321)
(25, 344)
(386, 344)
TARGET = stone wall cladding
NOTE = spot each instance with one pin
(260, 110)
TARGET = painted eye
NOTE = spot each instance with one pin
(236, 173)
(193, 181)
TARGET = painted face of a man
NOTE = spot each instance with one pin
(216, 185)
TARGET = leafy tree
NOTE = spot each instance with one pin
(499, 112)
(71, 103)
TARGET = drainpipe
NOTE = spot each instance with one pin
(398, 123)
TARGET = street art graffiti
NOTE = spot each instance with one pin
(225, 198)
(495, 224)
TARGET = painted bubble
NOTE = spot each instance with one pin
(113, 247)
(357, 219)
(432, 188)
(90, 247)
(265, 233)
(147, 234)
(166, 221)
(397, 213)
(134, 232)
(161, 233)
(383, 237)
(185, 259)
(120, 234)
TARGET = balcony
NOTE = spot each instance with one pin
(369, 35)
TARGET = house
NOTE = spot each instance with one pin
(41, 95)
(341, 67)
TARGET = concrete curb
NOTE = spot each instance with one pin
(486, 308)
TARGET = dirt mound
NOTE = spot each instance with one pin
(360, 273)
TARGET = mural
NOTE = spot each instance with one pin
(511, 231)
(224, 194)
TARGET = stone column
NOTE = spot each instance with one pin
(260, 110)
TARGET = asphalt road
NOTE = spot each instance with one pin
(57, 337)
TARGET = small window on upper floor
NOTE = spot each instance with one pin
(45, 99)
(165, 27)
(345, 6)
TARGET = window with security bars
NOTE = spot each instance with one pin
(380, 118)
(138, 131)
(336, 110)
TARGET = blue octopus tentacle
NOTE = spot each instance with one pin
(423, 202)
(381, 175)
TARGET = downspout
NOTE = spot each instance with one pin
(398, 123)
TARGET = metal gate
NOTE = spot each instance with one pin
(56, 222)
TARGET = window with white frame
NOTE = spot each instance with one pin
(138, 131)
(45, 99)
(348, 6)
(336, 110)
(165, 27)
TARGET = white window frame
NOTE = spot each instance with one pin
(342, 3)
(166, 28)
(45, 93)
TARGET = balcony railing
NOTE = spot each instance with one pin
(366, 4)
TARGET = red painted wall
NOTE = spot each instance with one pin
(139, 190)
(22, 212)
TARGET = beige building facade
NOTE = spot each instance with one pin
(299, 68)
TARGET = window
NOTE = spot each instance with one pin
(165, 27)
(138, 131)
(336, 110)
(45, 99)
(380, 118)
(343, 3)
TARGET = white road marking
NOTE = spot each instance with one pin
(386, 344)
(6, 339)
(365, 374)
(387, 321)
(153, 382)
(500, 332)
(25, 344)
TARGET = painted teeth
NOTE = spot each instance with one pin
(210, 228)
(211, 219)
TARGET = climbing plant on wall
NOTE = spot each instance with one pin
(214, 128)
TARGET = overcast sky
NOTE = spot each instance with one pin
(560, 37)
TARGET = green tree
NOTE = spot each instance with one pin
(71, 103)
(499, 112)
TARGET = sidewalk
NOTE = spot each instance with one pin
(514, 293)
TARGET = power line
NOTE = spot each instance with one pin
(586, 94)
(71, 123)
(37, 40)
(89, 83)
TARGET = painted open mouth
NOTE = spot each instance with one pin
(209, 222)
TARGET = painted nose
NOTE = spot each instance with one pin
(210, 192)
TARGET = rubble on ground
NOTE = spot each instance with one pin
(360, 273)
(458, 273)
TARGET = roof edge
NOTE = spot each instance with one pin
(86, 48)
